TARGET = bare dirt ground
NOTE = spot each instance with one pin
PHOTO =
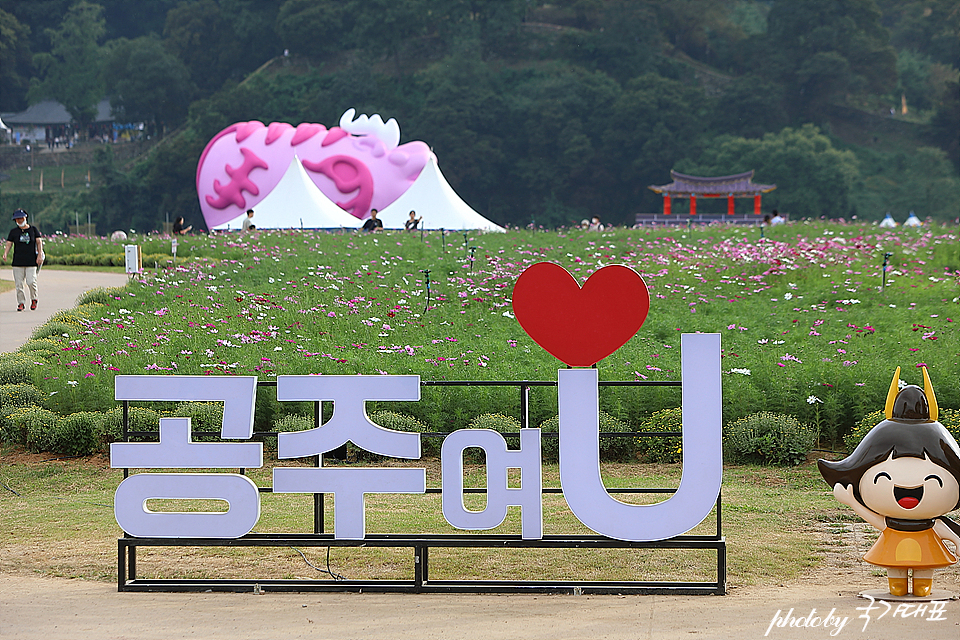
(35, 607)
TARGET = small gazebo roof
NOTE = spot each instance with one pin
(740, 184)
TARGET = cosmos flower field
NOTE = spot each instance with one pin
(806, 328)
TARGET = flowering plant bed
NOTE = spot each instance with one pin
(806, 329)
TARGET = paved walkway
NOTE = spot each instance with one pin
(57, 290)
(35, 608)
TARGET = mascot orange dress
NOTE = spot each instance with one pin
(902, 478)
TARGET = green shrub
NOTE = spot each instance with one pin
(616, 449)
(79, 259)
(53, 329)
(29, 427)
(550, 444)
(15, 368)
(161, 260)
(292, 422)
(76, 317)
(41, 345)
(498, 422)
(949, 418)
(612, 448)
(20, 395)
(89, 310)
(140, 419)
(288, 422)
(768, 438)
(76, 434)
(204, 416)
(661, 448)
(100, 295)
(859, 430)
(12, 429)
(403, 422)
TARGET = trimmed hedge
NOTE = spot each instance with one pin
(111, 428)
(20, 395)
(76, 434)
(612, 448)
(949, 418)
(768, 438)
(100, 295)
(403, 422)
(204, 416)
(15, 368)
(661, 448)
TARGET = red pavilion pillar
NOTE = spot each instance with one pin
(666, 204)
(756, 205)
(693, 204)
(730, 205)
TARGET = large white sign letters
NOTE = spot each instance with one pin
(579, 457)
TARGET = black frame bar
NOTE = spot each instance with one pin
(421, 544)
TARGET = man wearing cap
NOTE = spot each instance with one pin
(27, 243)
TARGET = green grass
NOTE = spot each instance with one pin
(62, 524)
(806, 330)
(800, 314)
(77, 267)
(74, 179)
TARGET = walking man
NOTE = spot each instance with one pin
(27, 243)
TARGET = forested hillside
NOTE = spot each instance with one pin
(539, 113)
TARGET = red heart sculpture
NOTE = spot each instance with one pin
(580, 326)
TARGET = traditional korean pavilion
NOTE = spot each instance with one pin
(736, 186)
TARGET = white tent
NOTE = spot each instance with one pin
(432, 197)
(888, 222)
(296, 203)
(912, 221)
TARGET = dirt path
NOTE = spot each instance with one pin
(47, 608)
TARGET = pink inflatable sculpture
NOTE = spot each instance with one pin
(359, 165)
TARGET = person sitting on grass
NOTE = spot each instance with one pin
(179, 229)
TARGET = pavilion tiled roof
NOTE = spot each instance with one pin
(51, 112)
(740, 184)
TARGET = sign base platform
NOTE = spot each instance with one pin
(420, 545)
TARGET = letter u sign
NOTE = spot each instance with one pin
(702, 451)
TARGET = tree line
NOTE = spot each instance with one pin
(539, 113)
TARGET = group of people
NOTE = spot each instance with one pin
(774, 220)
(179, 228)
(374, 224)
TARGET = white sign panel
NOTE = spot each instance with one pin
(580, 477)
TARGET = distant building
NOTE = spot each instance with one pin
(49, 119)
